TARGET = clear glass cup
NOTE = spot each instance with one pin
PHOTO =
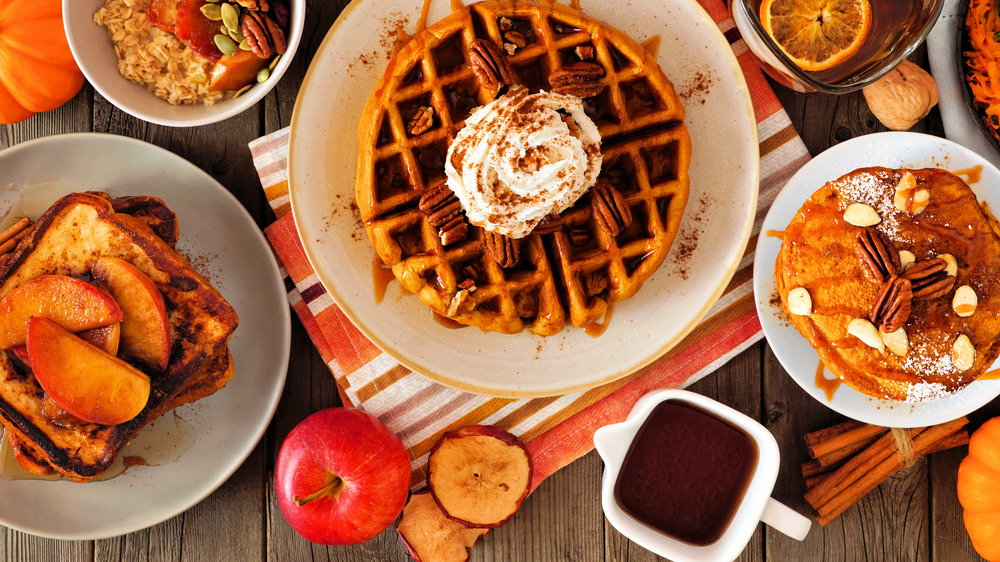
(898, 27)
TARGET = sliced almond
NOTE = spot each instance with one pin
(965, 301)
(861, 215)
(952, 267)
(799, 302)
(963, 353)
(866, 332)
(904, 188)
(906, 259)
(896, 342)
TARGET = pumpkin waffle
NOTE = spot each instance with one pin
(574, 271)
(64, 241)
(931, 245)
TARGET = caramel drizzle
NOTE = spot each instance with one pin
(964, 308)
(990, 375)
(447, 322)
(381, 277)
(651, 45)
(973, 174)
(594, 329)
(829, 387)
(779, 234)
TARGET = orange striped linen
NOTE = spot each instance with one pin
(557, 429)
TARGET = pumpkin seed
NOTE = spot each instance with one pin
(230, 16)
(212, 11)
(225, 44)
(242, 91)
(213, 1)
(244, 45)
(274, 63)
(262, 75)
(236, 35)
(199, 78)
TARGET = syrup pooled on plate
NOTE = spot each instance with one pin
(686, 473)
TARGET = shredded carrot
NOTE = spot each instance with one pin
(983, 72)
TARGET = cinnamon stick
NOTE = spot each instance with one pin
(14, 229)
(844, 439)
(957, 439)
(11, 243)
(854, 469)
(821, 435)
(869, 480)
(834, 457)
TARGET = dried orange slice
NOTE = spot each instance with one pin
(817, 34)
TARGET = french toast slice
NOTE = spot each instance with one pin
(66, 239)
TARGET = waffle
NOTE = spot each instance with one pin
(571, 274)
(820, 253)
(65, 241)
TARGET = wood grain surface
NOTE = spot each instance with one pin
(913, 516)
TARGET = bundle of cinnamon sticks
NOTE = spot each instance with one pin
(852, 458)
(10, 237)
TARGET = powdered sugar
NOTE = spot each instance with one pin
(876, 189)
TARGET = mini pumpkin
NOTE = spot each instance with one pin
(979, 490)
(37, 70)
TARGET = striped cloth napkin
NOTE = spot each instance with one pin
(558, 429)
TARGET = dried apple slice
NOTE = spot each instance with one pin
(479, 475)
(429, 536)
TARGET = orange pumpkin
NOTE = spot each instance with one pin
(979, 490)
(37, 70)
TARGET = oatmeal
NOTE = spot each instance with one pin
(155, 58)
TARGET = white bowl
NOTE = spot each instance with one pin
(95, 54)
(614, 441)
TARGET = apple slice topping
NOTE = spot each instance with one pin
(87, 382)
(74, 304)
(479, 475)
(429, 536)
(145, 327)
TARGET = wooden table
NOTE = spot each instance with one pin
(913, 516)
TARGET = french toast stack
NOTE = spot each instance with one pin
(89, 247)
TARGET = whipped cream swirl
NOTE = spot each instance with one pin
(521, 157)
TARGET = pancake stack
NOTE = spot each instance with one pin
(892, 276)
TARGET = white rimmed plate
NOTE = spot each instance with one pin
(892, 150)
(718, 219)
(228, 248)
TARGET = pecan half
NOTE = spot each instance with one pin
(263, 34)
(444, 212)
(455, 230)
(595, 283)
(876, 252)
(609, 208)
(579, 236)
(505, 251)
(421, 121)
(929, 279)
(892, 304)
(551, 223)
(254, 4)
(580, 79)
(584, 52)
(490, 65)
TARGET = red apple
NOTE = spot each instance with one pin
(342, 477)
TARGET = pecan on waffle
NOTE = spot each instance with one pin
(574, 267)
(902, 304)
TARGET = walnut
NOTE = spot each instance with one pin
(903, 97)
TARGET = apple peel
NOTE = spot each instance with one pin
(479, 475)
(430, 536)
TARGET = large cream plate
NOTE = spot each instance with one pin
(724, 177)
(893, 150)
(231, 252)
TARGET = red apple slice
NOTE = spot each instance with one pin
(429, 536)
(195, 30)
(106, 337)
(162, 14)
(145, 330)
(479, 475)
(86, 382)
(74, 304)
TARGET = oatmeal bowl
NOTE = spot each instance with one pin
(183, 63)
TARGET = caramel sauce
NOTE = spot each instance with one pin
(829, 387)
(381, 277)
(594, 329)
(973, 174)
(447, 322)
(686, 472)
(965, 308)
(422, 21)
(779, 234)
(575, 4)
(652, 45)
(990, 375)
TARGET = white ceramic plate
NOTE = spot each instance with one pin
(227, 247)
(893, 150)
(718, 219)
(95, 54)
